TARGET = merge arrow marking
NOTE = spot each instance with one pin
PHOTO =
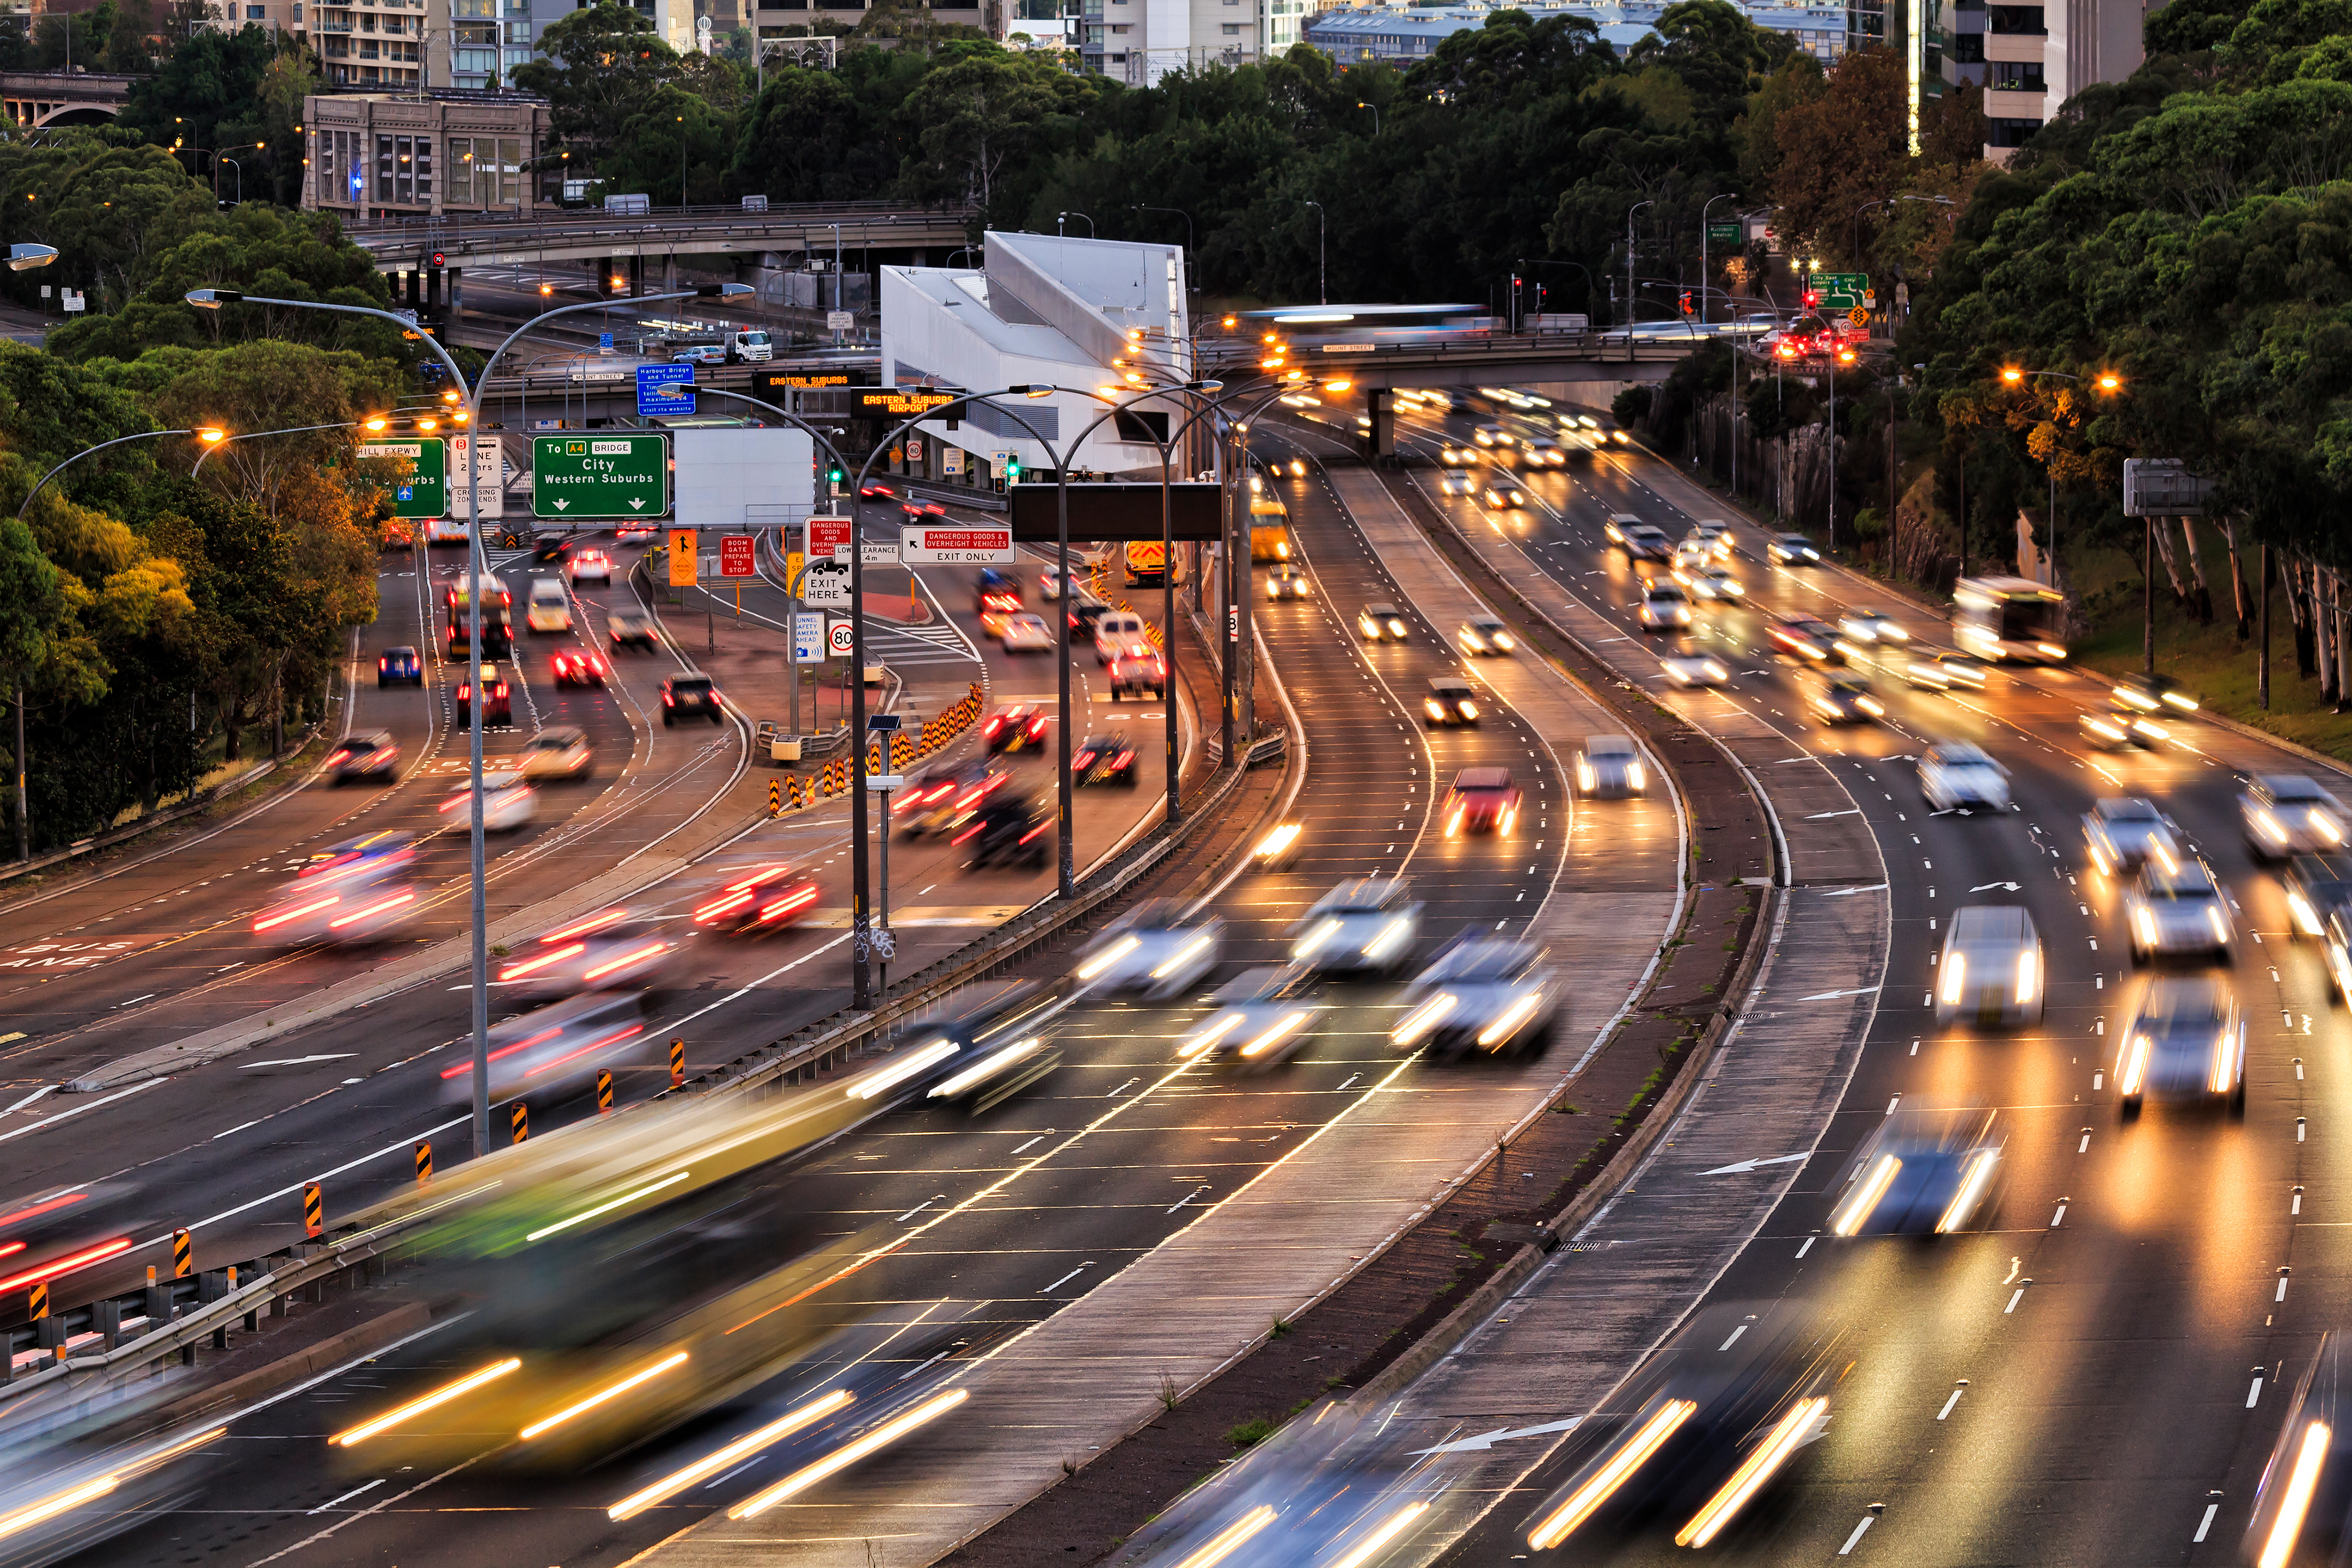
(1742, 1167)
(1988, 887)
(1486, 1440)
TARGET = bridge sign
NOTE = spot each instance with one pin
(600, 476)
(425, 492)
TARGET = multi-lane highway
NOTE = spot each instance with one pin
(2099, 1375)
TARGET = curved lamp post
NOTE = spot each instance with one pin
(477, 564)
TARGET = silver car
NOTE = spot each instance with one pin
(1482, 994)
(1151, 950)
(1957, 777)
(2187, 1042)
(2121, 833)
(2289, 814)
(1485, 635)
(1610, 768)
(1990, 970)
(1257, 1021)
(2178, 908)
(1923, 1173)
(1364, 923)
(613, 949)
(1664, 607)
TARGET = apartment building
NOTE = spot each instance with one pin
(2031, 58)
(1402, 35)
(1139, 41)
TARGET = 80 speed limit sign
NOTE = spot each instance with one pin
(841, 638)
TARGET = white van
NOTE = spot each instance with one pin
(753, 346)
(549, 609)
(1122, 634)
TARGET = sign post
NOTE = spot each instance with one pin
(1842, 291)
(828, 538)
(600, 476)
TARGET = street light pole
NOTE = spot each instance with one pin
(1322, 277)
(1705, 276)
(1630, 312)
(476, 564)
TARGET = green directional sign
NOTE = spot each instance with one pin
(597, 476)
(425, 492)
(1723, 233)
(1842, 290)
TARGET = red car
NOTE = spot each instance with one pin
(577, 666)
(1483, 800)
(1015, 728)
(874, 490)
(769, 899)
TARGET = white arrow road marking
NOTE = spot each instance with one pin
(1486, 1440)
(1854, 811)
(2007, 887)
(1834, 996)
(1744, 1166)
(299, 1061)
(1849, 892)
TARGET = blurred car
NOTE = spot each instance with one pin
(1664, 607)
(1102, 759)
(613, 949)
(1049, 582)
(1279, 850)
(2303, 1502)
(943, 799)
(1688, 665)
(358, 890)
(995, 590)
(1015, 728)
(1364, 923)
(498, 698)
(365, 755)
(1257, 1020)
(1791, 549)
(1285, 581)
(1845, 700)
(1944, 672)
(549, 546)
(576, 667)
(2148, 693)
(1955, 776)
(1689, 555)
(915, 511)
(985, 1048)
(508, 802)
(1923, 1173)
(590, 566)
(770, 898)
(1482, 800)
(1712, 581)
(1009, 827)
(1027, 633)
(1807, 638)
(1493, 435)
(2121, 831)
(2316, 884)
(2113, 732)
(1152, 951)
(1453, 457)
(547, 612)
(1991, 971)
(402, 666)
(1862, 625)
(1610, 768)
(631, 630)
(874, 490)
(1380, 622)
(1450, 701)
(1482, 993)
(1484, 635)
(701, 354)
(1501, 492)
(558, 752)
(2335, 940)
(1717, 535)
(691, 695)
(992, 622)
(2289, 814)
(1085, 611)
(2178, 908)
(2187, 1042)
(1546, 454)
(1640, 540)
(541, 1052)
(1706, 1428)
(632, 533)
(1450, 483)
(1122, 634)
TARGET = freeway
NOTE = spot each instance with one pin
(2099, 1375)
(997, 1222)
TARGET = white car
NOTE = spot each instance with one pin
(1991, 971)
(1712, 582)
(1718, 534)
(1123, 634)
(1957, 776)
(508, 802)
(356, 891)
(1691, 553)
(1484, 635)
(591, 566)
(2178, 908)
(1483, 994)
(611, 950)
(1028, 633)
(1365, 923)
(548, 611)
(1380, 622)
(1151, 952)
(1256, 1023)
(558, 752)
(1451, 482)
(2121, 831)
(1944, 672)
(1866, 625)
(1664, 607)
(1049, 582)
(2290, 814)
(1689, 667)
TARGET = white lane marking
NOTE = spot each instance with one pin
(2255, 1392)
(77, 1110)
(347, 1496)
(403, 1146)
(2056, 1218)
(922, 1207)
(1039, 1139)
(1855, 1538)
(2207, 1522)
(1485, 1440)
(1808, 1246)
(2013, 1300)
(299, 1061)
(1066, 1279)
(1744, 1166)
(238, 1128)
(1834, 996)
(1955, 1399)
(44, 1088)
(1187, 1198)
(1734, 1339)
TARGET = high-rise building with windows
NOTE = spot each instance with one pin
(2030, 58)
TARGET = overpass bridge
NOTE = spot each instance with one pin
(35, 99)
(571, 234)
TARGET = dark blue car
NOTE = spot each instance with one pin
(399, 667)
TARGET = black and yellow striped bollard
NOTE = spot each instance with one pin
(183, 1255)
(423, 1161)
(603, 1090)
(519, 1117)
(39, 1304)
(314, 1210)
(775, 797)
(676, 1063)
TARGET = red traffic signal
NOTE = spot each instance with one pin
(439, 259)
(1686, 301)
(1811, 298)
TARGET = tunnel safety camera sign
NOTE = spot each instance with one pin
(599, 476)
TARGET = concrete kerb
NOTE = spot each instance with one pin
(1475, 1308)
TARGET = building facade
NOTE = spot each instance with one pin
(1139, 41)
(2031, 58)
(375, 155)
(1403, 35)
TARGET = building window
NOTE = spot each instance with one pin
(2018, 76)
(1232, 29)
(2012, 133)
(2017, 19)
(517, 57)
(403, 165)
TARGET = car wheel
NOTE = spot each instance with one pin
(1114, 690)
(2131, 1108)
(668, 722)
(2238, 1101)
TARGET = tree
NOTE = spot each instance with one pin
(269, 385)
(208, 94)
(678, 137)
(1848, 147)
(597, 68)
(976, 114)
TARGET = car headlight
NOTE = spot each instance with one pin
(1850, 1214)
(1869, 705)
(2306, 920)
(1396, 628)
(1635, 778)
(1503, 641)
(1469, 710)
(2269, 827)
(2144, 926)
(1434, 710)
(2135, 1068)
(2323, 825)
(2223, 1070)
(1385, 942)
(2029, 976)
(1423, 1019)
(1322, 932)
(2219, 924)
(1584, 779)
(1956, 978)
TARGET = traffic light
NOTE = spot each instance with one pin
(1812, 299)
(1686, 301)
(834, 474)
(1013, 468)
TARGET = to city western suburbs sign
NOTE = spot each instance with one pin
(599, 476)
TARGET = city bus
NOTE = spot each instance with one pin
(2001, 618)
(1146, 564)
(1269, 527)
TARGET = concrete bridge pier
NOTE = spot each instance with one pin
(1379, 441)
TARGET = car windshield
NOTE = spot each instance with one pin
(2295, 789)
(2191, 881)
(1663, 593)
(549, 741)
(2128, 811)
(2184, 1004)
(1607, 747)
(691, 685)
